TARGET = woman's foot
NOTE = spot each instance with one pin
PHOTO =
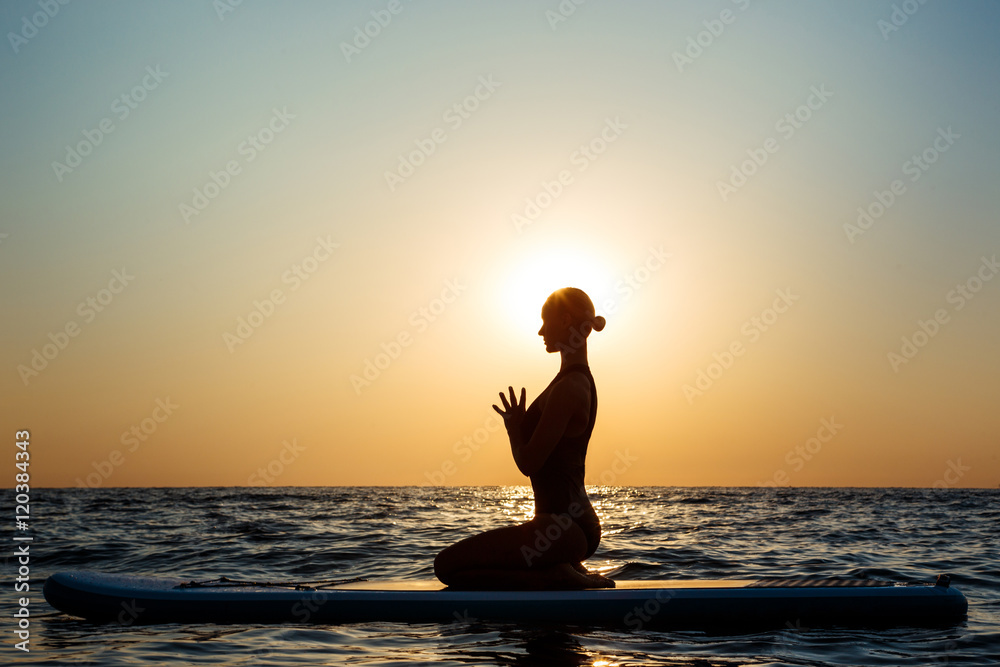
(598, 580)
(593, 579)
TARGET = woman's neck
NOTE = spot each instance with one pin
(573, 357)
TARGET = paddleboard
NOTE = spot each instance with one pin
(783, 602)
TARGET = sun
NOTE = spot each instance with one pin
(538, 273)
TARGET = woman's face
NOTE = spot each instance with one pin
(555, 329)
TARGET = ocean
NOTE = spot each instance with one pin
(395, 532)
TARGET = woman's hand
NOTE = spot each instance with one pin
(513, 412)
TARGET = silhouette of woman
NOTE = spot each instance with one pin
(549, 444)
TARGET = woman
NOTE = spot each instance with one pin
(549, 444)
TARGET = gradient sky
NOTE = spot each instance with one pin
(619, 102)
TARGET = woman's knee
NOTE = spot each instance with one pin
(444, 564)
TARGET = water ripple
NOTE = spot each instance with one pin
(394, 532)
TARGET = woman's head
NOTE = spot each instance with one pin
(568, 317)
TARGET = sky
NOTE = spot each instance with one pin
(275, 243)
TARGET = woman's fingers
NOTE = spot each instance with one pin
(513, 404)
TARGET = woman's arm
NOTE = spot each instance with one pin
(567, 397)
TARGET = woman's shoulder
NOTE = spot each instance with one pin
(573, 384)
(575, 369)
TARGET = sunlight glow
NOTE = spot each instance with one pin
(542, 271)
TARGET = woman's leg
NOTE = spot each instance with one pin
(542, 553)
(554, 577)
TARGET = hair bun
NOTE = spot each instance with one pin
(599, 322)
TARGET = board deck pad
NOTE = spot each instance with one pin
(802, 601)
